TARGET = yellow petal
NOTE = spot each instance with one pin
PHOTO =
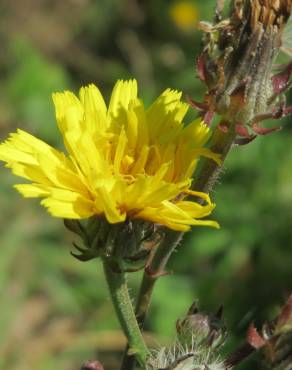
(132, 130)
(67, 107)
(123, 93)
(109, 206)
(32, 190)
(194, 209)
(121, 146)
(164, 218)
(9, 153)
(199, 194)
(61, 176)
(95, 110)
(139, 164)
(22, 147)
(75, 207)
(30, 172)
(173, 217)
(165, 191)
(92, 99)
(166, 113)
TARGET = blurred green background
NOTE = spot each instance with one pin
(54, 311)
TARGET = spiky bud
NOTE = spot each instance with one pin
(200, 337)
(201, 329)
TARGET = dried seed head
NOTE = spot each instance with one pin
(237, 61)
(270, 13)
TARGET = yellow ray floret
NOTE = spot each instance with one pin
(123, 161)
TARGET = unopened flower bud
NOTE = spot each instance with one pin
(201, 329)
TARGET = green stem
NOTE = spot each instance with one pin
(204, 181)
(154, 270)
(123, 306)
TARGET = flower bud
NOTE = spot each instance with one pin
(201, 329)
(198, 344)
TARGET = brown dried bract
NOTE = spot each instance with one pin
(237, 64)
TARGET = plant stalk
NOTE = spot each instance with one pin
(124, 309)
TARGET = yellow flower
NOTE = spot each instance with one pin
(184, 14)
(123, 161)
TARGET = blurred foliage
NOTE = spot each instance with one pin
(54, 311)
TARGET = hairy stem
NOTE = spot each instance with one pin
(155, 269)
(124, 309)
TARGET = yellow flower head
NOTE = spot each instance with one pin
(123, 161)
